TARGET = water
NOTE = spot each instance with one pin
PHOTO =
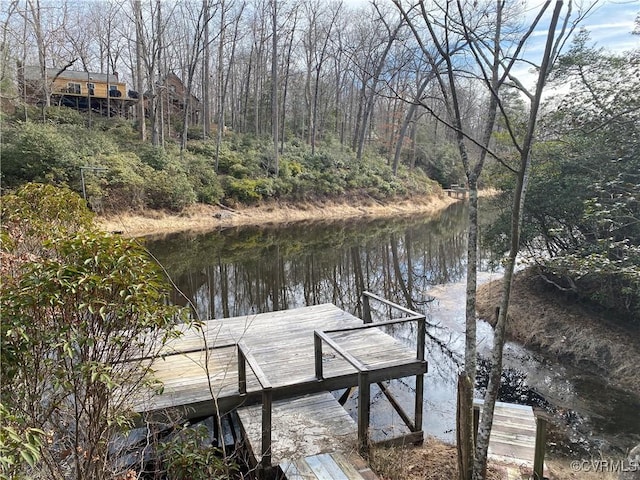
(419, 262)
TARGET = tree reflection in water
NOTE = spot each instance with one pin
(244, 271)
(252, 270)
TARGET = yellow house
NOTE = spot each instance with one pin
(101, 92)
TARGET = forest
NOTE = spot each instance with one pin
(300, 100)
(235, 102)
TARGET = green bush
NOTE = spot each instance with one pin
(205, 149)
(77, 306)
(35, 152)
(123, 184)
(64, 115)
(156, 157)
(239, 171)
(204, 180)
(249, 190)
(227, 158)
(169, 189)
(187, 456)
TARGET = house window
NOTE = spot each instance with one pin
(73, 88)
(92, 88)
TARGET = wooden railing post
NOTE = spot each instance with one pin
(422, 333)
(364, 396)
(420, 347)
(476, 423)
(242, 372)
(541, 440)
(317, 350)
(366, 308)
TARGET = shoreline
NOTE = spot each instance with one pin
(202, 218)
(547, 322)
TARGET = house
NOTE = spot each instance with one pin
(104, 93)
(175, 95)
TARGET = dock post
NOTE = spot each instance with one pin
(267, 399)
(364, 395)
(242, 372)
(476, 423)
(541, 439)
(419, 402)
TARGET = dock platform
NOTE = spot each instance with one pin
(513, 436)
(277, 369)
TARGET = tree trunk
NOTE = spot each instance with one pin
(206, 81)
(142, 128)
(274, 84)
(484, 431)
(405, 124)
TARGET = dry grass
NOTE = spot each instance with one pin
(435, 460)
(548, 321)
(206, 217)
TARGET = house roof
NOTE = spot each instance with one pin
(33, 73)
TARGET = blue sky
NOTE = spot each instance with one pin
(610, 23)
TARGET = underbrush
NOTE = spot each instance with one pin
(57, 144)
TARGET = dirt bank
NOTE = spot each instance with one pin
(207, 217)
(548, 321)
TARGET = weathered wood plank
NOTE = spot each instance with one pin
(325, 468)
(513, 433)
(282, 344)
(302, 427)
(346, 466)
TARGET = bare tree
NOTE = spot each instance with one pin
(142, 127)
(223, 76)
(274, 83)
(465, 29)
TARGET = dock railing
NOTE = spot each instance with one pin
(364, 383)
(246, 357)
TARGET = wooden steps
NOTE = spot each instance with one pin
(513, 436)
(302, 427)
(326, 466)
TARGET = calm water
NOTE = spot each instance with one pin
(418, 262)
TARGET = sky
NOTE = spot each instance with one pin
(610, 24)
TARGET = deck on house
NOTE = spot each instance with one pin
(295, 358)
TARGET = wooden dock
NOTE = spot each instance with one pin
(295, 357)
(513, 436)
(457, 191)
